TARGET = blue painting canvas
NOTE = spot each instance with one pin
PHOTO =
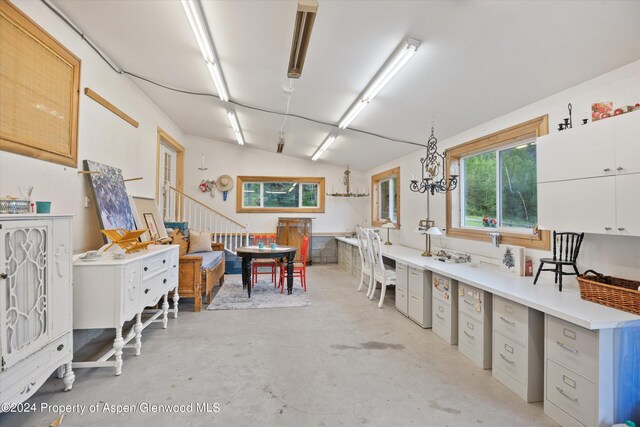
(110, 195)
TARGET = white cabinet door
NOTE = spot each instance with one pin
(581, 152)
(25, 317)
(582, 205)
(628, 204)
(627, 142)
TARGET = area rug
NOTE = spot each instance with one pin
(231, 296)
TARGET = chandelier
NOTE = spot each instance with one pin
(346, 181)
(434, 179)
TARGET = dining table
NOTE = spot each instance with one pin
(285, 254)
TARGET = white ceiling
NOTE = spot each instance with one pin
(478, 60)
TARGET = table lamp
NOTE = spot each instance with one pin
(428, 229)
(388, 225)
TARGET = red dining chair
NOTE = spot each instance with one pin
(263, 266)
(299, 268)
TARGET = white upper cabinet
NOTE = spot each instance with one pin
(582, 152)
(628, 205)
(606, 147)
(627, 142)
(581, 205)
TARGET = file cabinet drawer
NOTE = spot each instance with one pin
(444, 288)
(402, 278)
(471, 301)
(401, 300)
(416, 308)
(510, 357)
(416, 282)
(444, 324)
(469, 337)
(511, 319)
(572, 346)
(571, 392)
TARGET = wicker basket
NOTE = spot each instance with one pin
(611, 291)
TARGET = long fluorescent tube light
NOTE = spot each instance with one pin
(193, 9)
(325, 145)
(235, 124)
(305, 17)
(395, 62)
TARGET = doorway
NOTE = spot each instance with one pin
(169, 170)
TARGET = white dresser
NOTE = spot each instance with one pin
(474, 324)
(445, 308)
(35, 303)
(402, 288)
(109, 292)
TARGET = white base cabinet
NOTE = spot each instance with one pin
(445, 308)
(518, 348)
(474, 324)
(35, 303)
(579, 372)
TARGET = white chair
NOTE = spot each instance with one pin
(365, 258)
(381, 274)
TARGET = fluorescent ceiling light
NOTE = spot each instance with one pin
(193, 9)
(305, 17)
(395, 62)
(235, 124)
(325, 145)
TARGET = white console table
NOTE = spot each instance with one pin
(562, 346)
(109, 292)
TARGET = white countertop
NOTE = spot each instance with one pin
(107, 259)
(544, 296)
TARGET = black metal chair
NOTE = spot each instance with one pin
(566, 255)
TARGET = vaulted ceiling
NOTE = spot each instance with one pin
(478, 60)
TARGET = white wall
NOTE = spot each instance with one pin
(341, 215)
(102, 136)
(608, 254)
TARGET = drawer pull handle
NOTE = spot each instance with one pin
(146, 291)
(572, 350)
(507, 321)
(467, 302)
(620, 228)
(607, 228)
(146, 268)
(561, 391)
(470, 336)
(164, 261)
(620, 168)
(439, 317)
(507, 360)
(164, 281)
(60, 347)
(607, 169)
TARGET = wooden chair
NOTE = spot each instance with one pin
(365, 257)
(299, 268)
(567, 254)
(383, 275)
(266, 265)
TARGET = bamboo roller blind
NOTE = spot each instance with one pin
(39, 81)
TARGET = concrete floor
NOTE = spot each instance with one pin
(341, 361)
